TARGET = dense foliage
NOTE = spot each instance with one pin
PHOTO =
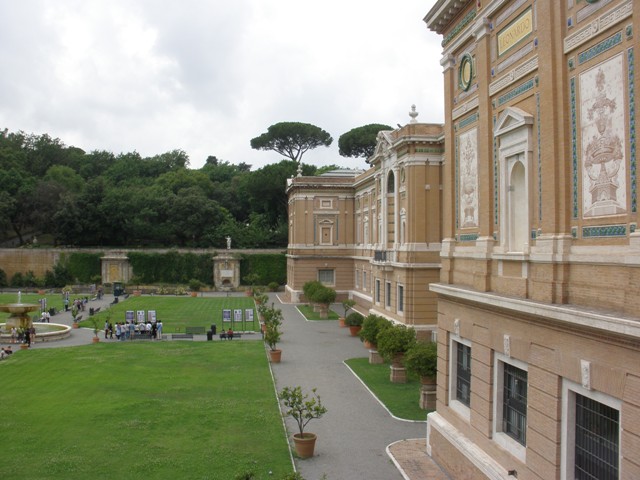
(62, 195)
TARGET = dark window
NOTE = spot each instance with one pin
(597, 433)
(377, 291)
(463, 374)
(514, 408)
(400, 298)
(388, 294)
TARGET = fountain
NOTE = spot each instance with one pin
(19, 317)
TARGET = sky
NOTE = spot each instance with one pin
(208, 76)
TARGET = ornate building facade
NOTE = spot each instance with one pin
(538, 298)
(374, 236)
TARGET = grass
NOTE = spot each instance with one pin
(309, 314)
(176, 312)
(152, 411)
(402, 399)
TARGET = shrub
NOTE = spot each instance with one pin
(3, 278)
(195, 285)
(348, 304)
(354, 319)
(273, 286)
(309, 288)
(395, 340)
(324, 295)
(17, 280)
(372, 325)
(422, 359)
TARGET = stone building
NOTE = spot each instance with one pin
(374, 236)
(538, 298)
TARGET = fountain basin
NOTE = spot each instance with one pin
(19, 307)
(45, 332)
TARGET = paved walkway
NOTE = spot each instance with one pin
(357, 438)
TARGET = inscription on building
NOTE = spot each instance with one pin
(517, 30)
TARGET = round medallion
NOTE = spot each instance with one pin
(465, 71)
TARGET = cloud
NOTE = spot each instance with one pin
(206, 77)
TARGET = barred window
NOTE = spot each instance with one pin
(463, 374)
(514, 403)
(326, 277)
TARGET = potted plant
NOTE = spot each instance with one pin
(393, 343)
(75, 316)
(261, 298)
(272, 333)
(354, 321)
(347, 305)
(309, 288)
(302, 408)
(96, 328)
(194, 286)
(371, 326)
(324, 296)
(251, 279)
(422, 359)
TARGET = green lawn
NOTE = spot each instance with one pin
(402, 399)
(154, 411)
(309, 314)
(176, 312)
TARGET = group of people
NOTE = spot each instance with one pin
(128, 330)
(5, 352)
(23, 335)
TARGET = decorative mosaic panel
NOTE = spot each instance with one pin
(600, 48)
(471, 119)
(496, 208)
(538, 121)
(466, 21)
(468, 237)
(519, 90)
(468, 179)
(602, 131)
(574, 146)
(632, 128)
(605, 231)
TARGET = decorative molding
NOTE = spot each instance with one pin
(506, 345)
(515, 57)
(600, 48)
(585, 374)
(538, 127)
(464, 23)
(465, 107)
(514, 75)
(456, 326)
(603, 22)
(507, 12)
(591, 9)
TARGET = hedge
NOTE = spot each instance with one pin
(270, 267)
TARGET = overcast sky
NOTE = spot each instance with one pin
(207, 76)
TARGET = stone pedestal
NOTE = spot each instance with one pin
(398, 374)
(428, 397)
(226, 271)
(375, 357)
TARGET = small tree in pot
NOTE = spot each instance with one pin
(272, 333)
(347, 305)
(354, 321)
(395, 341)
(302, 409)
(422, 359)
(371, 326)
(324, 296)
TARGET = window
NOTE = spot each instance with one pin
(463, 374)
(510, 405)
(400, 298)
(591, 422)
(326, 277)
(460, 377)
(514, 403)
(364, 280)
(387, 294)
(377, 291)
(357, 279)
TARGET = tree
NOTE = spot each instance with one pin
(360, 141)
(291, 139)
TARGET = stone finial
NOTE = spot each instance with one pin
(413, 114)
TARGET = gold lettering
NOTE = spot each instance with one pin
(515, 32)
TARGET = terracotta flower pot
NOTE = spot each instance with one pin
(275, 356)
(354, 330)
(95, 340)
(342, 322)
(304, 444)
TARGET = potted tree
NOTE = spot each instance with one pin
(302, 408)
(96, 329)
(309, 288)
(393, 343)
(347, 305)
(272, 333)
(354, 321)
(324, 297)
(371, 326)
(194, 286)
(251, 279)
(422, 359)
